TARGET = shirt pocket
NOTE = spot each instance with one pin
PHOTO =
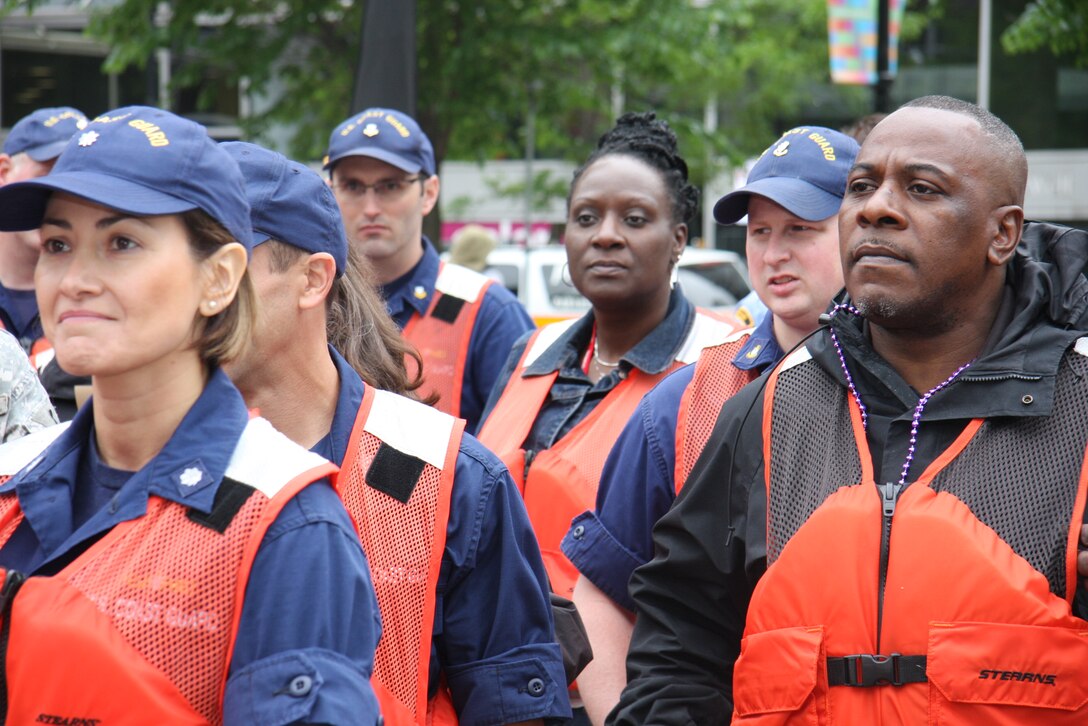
(996, 673)
(780, 678)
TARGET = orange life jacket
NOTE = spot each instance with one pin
(562, 481)
(968, 577)
(396, 483)
(141, 626)
(714, 382)
(443, 334)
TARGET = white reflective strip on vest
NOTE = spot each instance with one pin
(795, 358)
(267, 460)
(410, 427)
(548, 335)
(460, 282)
(17, 454)
(705, 332)
(1081, 346)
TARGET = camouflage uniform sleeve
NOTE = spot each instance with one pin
(24, 404)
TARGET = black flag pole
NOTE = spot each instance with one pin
(386, 72)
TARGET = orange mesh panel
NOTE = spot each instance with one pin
(399, 541)
(715, 381)
(169, 588)
(444, 348)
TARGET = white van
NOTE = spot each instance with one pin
(714, 279)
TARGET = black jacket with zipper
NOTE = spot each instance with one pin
(692, 598)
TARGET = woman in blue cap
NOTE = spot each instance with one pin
(145, 548)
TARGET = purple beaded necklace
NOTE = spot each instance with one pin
(916, 420)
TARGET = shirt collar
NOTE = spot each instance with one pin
(762, 349)
(187, 470)
(347, 410)
(653, 354)
(415, 288)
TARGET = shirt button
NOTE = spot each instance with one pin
(536, 687)
(579, 531)
(300, 686)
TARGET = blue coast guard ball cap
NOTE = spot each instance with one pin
(804, 172)
(43, 134)
(142, 161)
(290, 203)
(386, 135)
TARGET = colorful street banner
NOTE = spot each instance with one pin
(852, 39)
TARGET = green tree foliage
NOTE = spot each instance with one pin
(1060, 25)
(483, 64)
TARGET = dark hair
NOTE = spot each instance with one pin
(223, 336)
(357, 323)
(359, 326)
(1007, 148)
(645, 138)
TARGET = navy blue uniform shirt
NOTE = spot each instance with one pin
(500, 322)
(19, 316)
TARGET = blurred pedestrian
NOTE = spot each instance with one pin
(471, 246)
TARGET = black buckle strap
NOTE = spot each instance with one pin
(876, 670)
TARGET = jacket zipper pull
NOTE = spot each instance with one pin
(889, 495)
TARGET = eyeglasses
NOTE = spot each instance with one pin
(384, 190)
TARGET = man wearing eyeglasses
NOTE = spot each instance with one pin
(382, 170)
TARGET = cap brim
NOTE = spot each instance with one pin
(381, 155)
(797, 196)
(47, 152)
(22, 204)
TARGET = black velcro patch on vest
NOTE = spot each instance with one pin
(447, 308)
(229, 498)
(394, 473)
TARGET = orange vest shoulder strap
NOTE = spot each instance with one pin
(443, 334)
(715, 380)
(510, 420)
(396, 482)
